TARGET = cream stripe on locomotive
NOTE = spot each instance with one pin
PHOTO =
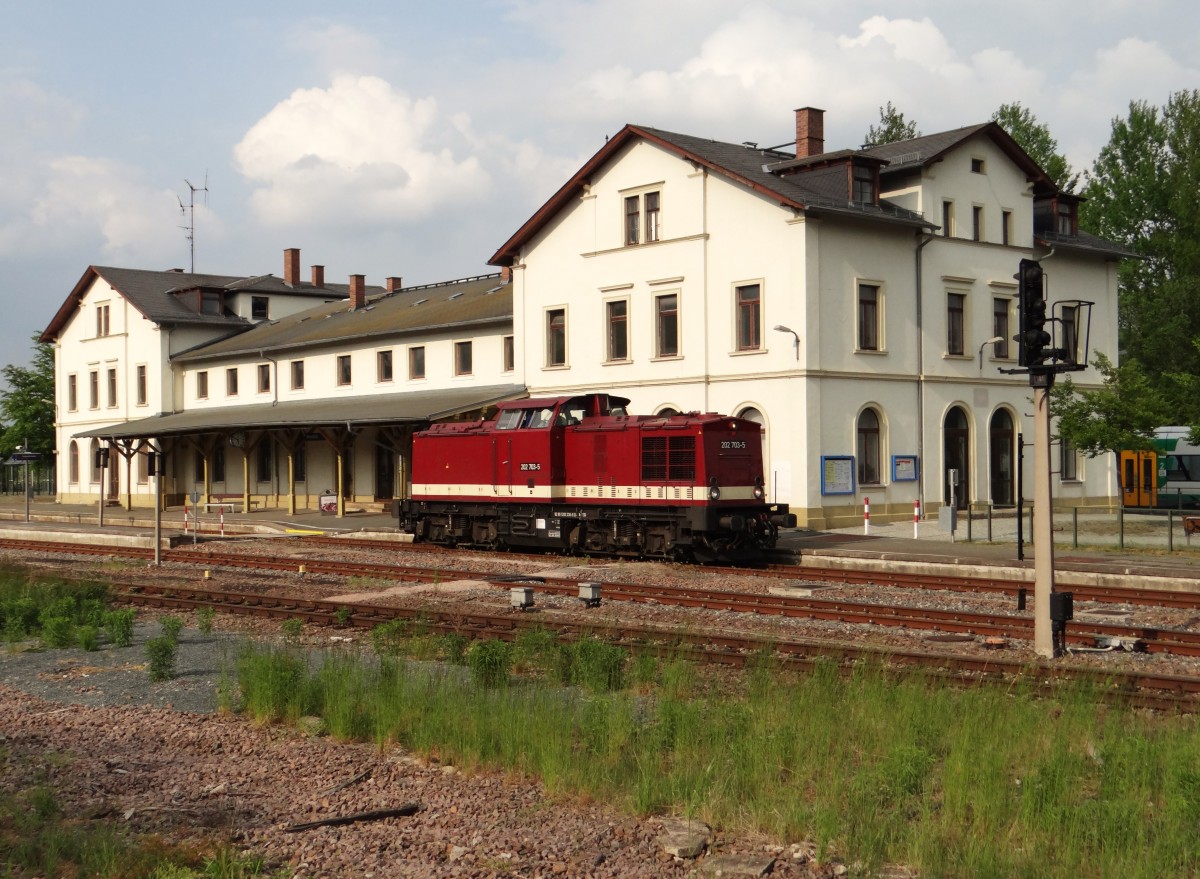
(581, 492)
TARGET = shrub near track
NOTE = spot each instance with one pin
(878, 766)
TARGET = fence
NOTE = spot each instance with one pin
(1082, 528)
(42, 480)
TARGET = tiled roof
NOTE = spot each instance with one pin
(484, 300)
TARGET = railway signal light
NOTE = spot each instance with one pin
(1032, 339)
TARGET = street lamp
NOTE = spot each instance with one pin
(992, 341)
(780, 328)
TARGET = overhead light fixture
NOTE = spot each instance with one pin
(780, 328)
(992, 341)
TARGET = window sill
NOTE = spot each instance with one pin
(747, 352)
(624, 362)
(556, 367)
(946, 356)
(666, 357)
(870, 351)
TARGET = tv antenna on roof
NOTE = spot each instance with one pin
(189, 210)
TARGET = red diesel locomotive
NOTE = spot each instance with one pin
(578, 474)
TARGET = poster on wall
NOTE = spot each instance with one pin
(904, 468)
(837, 474)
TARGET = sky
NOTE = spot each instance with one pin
(413, 140)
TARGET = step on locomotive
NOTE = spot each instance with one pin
(579, 475)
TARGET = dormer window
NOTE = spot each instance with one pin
(1064, 214)
(863, 185)
(210, 302)
(260, 307)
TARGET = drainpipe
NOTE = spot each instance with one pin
(921, 373)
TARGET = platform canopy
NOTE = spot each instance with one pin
(347, 411)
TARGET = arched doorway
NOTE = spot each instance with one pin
(1003, 446)
(956, 438)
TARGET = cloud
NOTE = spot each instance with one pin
(97, 206)
(357, 152)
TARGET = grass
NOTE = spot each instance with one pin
(878, 766)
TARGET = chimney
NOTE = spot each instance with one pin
(291, 266)
(505, 274)
(810, 132)
(318, 276)
(358, 292)
(394, 284)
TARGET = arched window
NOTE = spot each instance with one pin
(752, 414)
(868, 448)
(73, 463)
(667, 412)
(93, 453)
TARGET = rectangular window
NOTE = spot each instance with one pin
(383, 366)
(748, 307)
(976, 223)
(863, 185)
(264, 462)
(1066, 219)
(72, 393)
(210, 302)
(1000, 326)
(142, 395)
(260, 307)
(1006, 227)
(102, 315)
(1068, 462)
(617, 318)
(94, 389)
(198, 467)
(202, 384)
(508, 355)
(297, 368)
(416, 362)
(948, 218)
(976, 166)
(653, 215)
(556, 337)
(666, 325)
(343, 369)
(868, 317)
(632, 219)
(231, 382)
(462, 358)
(143, 467)
(300, 464)
(112, 387)
(954, 322)
(264, 378)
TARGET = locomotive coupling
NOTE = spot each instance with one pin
(784, 520)
(735, 522)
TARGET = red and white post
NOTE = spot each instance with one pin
(916, 519)
(222, 521)
(866, 515)
(185, 518)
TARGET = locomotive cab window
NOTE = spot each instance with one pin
(510, 419)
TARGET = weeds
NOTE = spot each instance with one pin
(205, 617)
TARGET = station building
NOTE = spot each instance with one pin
(859, 304)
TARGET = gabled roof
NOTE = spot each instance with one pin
(482, 300)
(153, 294)
(747, 164)
(921, 152)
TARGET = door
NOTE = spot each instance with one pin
(1002, 457)
(114, 474)
(385, 472)
(956, 455)
(1139, 479)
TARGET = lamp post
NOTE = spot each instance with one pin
(992, 341)
(780, 328)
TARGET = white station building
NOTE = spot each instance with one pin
(860, 304)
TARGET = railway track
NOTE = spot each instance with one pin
(1162, 692)
(1080, 633)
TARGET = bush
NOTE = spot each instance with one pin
(58, 631)
(20, 617)
(171, 626)
(388, 639)
(204, 620)
(118, 626)
(161, 653)
(490, 663)
(454, 647)
(292, 627)
(88, 637)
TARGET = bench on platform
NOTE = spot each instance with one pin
(227, 501)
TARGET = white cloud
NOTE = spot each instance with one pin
(99, 207)
(356, 152)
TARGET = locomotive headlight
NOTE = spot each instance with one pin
(714, 493)
(759, 494)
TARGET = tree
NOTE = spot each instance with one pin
(1122, 414)
(1034, 137)
(1142, 193)
(892, 128)
(28, 404)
